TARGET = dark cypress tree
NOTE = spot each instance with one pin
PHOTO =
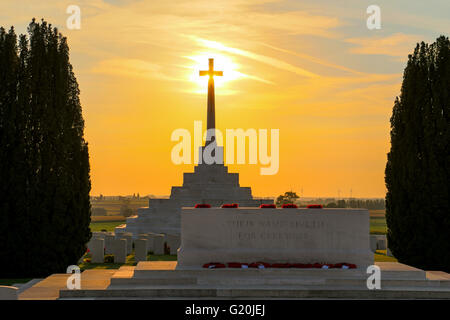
(417, 171)
(45, 211)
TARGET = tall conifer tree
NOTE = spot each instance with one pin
(417, 170)
(44, 169)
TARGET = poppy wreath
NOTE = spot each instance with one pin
(281, 265)
(237, 265)
(264, 265)
(202, 205)
(314, 206)
(230, 205)
(260, 265)
(268, 205)
(302, 265)
(289, 205)
(214, 265)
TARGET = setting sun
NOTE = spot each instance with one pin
(221, 63)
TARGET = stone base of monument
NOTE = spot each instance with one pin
(273, 236)
(162, 280)
(290, 235)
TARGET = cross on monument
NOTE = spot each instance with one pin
(211, 123)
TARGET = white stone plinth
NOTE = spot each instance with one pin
(274, 236)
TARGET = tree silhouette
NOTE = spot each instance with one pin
(417, 170)
(44, 164)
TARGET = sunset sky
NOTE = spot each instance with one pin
(311, 69)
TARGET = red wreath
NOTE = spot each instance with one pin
(267, 205)
(281, 265)
(314, 206)
(260, 265)
(289, 205)
(214, 265)
(230, 205)
(317, 265)
(237, 265)
(202, 205)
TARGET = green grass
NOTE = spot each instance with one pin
(112, 207)
(129, 262)
(380, 256)
(10, 282)
(108, 226)
(377, 223)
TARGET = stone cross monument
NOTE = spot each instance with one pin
(211, 111)
(209, 183)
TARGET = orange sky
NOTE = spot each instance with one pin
(312, 70)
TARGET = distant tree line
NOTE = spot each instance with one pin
(44, 160)
(371, 204)
(292, 197)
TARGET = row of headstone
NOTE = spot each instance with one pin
(379, 242)
(173, 242)
(117, 247)
(155, 242)
(121, 245)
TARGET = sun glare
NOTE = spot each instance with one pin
(221, 63)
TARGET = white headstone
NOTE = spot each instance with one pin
(119, 250)
(158, 244)
(140, 250)
(381, 242)
(97, 250)
(108, 243)
(373, 242)
(173, 241)
(129, 237)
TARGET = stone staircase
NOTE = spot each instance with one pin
(160, 280)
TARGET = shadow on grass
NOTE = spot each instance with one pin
(129, 262)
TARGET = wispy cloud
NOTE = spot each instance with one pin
(395, 45)
(258, 57)
(132, 68)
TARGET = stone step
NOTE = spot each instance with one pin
(305, 292)
(131, 282)
(285, 281)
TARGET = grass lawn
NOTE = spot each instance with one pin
(112, 207)
(378, 222)
(380, 256)
(108, 226)
(130, 262)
